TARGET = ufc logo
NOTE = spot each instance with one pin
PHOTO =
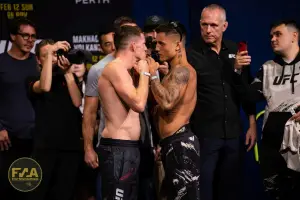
(231, 55)
(119, 194)
(280, 80)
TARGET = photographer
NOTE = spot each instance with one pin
(151, 24)
(57, 99)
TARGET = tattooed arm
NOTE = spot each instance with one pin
(169, 95)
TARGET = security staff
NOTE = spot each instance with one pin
(216, 119)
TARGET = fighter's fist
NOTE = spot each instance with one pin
(142, 66)
(153, 66)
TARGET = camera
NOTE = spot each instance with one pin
(76, 56)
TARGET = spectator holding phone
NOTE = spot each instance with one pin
(216, 119)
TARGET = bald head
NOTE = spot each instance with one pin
(213, 24)
(217, 9)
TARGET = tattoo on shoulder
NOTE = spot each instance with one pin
(181, 75)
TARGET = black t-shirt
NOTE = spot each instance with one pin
(58, 121)
(16, 111)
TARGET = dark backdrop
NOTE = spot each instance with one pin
(76, 21)
(248, 20)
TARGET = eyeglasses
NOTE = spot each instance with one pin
(176, 28)
(26, 36)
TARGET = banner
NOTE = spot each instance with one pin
(76, 21)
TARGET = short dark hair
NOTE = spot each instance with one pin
(41, 44)
(172, 27)
(15, 24)
(123, 20)
(123, 34)
(289, 23)
(103, 33)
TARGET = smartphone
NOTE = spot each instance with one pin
(242, 46)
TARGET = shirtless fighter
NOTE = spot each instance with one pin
(176, 98)
(119, 155)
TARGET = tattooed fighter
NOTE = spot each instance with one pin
(176, 98)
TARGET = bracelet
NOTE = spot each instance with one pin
(154, 77)
(147, 74)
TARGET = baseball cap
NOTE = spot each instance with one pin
(152, 22)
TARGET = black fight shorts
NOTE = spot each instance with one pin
(180, 155)
(119, 162)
